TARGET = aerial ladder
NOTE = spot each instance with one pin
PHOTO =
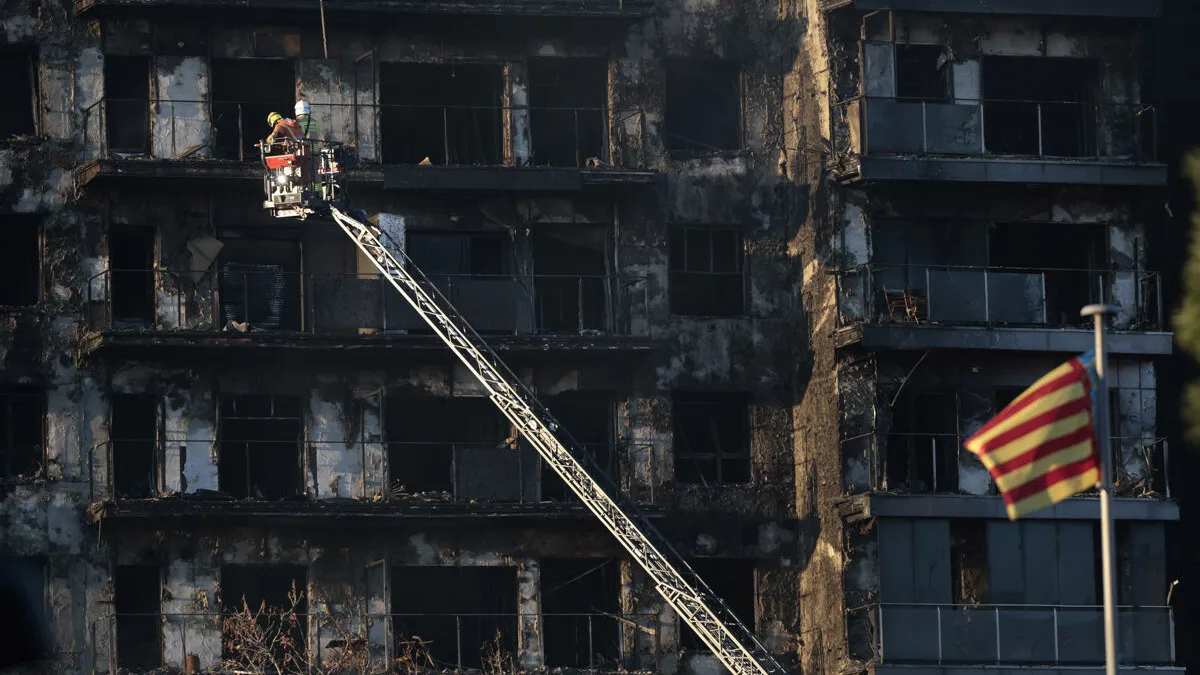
(302, 180)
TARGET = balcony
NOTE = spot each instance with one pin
(1047, 142)
(622, 11)
(246, 308)
(396, 147)
(907, 307)
(1023, 636)
(1141, 9)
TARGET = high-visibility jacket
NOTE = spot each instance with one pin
(308, 127)
(285, 128)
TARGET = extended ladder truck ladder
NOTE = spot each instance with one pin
(737, 648)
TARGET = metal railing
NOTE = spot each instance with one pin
(256, 298)
(868, 125)
(1017, 634)
(977, 295)
(392, 134)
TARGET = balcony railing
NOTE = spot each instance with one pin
(1016, 296)
(1018, 635)
(1060, 130)
(392, 134)
(264, 298)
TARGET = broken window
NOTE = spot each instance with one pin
(712, 438)
(922, 72)
(279, 589)
(570, 285)
(131, 262)
(244, 92)
(137, 596)
(260, 285)
(455, 611)
(588, 416)
(568, 98)
(127, 103)
(133, 430)
(1040, 106)
(17, 81)
(1068, 264)
(704, 105)
(580, 599)
(22, 432)
(732, 580)
(259, 438)
(20, 261)
(706, 271)
(922, 448)
(968, 561)
(446, 113)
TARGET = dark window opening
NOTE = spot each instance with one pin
(25, 586)
(477, 254)
(711, 438)
(456, 611)
(22, 430)
(278, 591)
(1071, 262)
(259, 443)
(475, 272)
(137, 596)
(244, 92)
(922, 448)
(732, 580)
(131, 259)
(1040, 106)
(588, 417)
(450, 114)
(704, 105)
(922, 72)
(17, 81)
(570, 285)
(260, 285)
(135, 457)
(706, 271)
(20, 261)
(968, 561)
(567, 120)
(127, 103)
(580, 599)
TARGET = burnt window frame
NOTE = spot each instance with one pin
(39, 285)
(943, 73)
(679, 270)
(33, 57)
(739, 400)
(687, 148)
(302, 446)
(38, 456)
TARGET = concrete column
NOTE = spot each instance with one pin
(180, 123)
(530, 655)
(191, 617)
(520, 144)
(190, 437)
(338, 464)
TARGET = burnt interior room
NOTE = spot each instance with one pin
(703, 105)
(568, 98)
(267, 586)
(133, 430)
(706, 271)
(1071, 257)
(127, 103)
(260, 284)
(17, 81)
(711, 437)
(1041, 106)
(571, 284)
(22, 432)
(244, 92)
(580, 597)
(259, 437)
(137, 595)
(922, 446)
(455, 611)
(922, 73)
(732, 580)
(131, 265)
(450, 113)
(20, 260)
(474, 270)
(968, 561)
(588, 417)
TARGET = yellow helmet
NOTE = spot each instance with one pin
(273, 118)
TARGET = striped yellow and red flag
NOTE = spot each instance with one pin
(1042, 448)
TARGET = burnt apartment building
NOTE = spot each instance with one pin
(769, 262)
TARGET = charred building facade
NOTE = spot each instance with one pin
(770, 262)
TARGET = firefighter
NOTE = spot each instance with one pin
(309, 129)
(282, 128)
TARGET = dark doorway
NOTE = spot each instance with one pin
(22, 432)
(588, 417)
(260, 285)
(127, 103)
(244, 92)
(1070, 257)
(1040, 106)
(922, 448)
(580, 599)
(20, 260)
(260, 437)
(435, 444)
(704, 105)
(568, 120)
(134, 429)
(451, 114)
(137, 595)
(131, 259)
(17, 78)
(732, 580)
(456, 611)
(571, 287)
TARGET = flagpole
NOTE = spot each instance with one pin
(1098, 313)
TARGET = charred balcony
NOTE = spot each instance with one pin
(600, 12)
(1139, 9)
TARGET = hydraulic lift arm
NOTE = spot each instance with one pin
(679, 585)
